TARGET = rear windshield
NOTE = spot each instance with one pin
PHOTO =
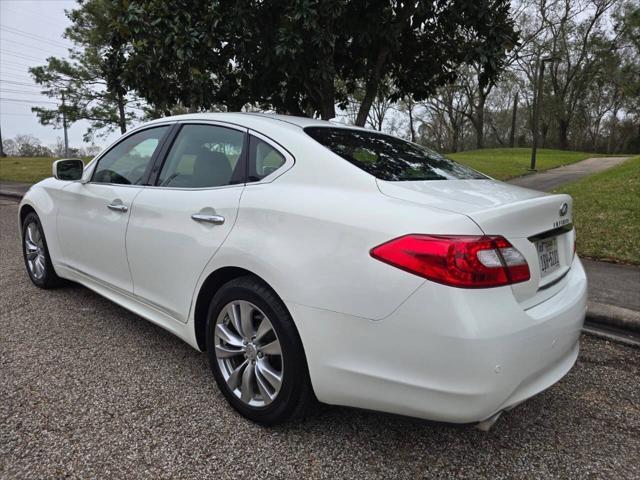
(390, 158)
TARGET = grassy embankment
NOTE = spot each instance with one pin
(606, 213)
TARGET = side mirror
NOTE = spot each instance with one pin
(68, 169)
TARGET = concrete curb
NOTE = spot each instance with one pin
(11, 193)
(613, 316)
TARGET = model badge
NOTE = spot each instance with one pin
(564, 209)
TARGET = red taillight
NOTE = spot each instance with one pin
(457, 260)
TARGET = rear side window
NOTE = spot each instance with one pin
(390, 158)
(263, 160)
(203, 156)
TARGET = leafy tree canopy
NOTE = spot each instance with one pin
(303, 56)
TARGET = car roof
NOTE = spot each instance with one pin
(245, 119)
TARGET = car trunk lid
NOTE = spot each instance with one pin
(537, 224)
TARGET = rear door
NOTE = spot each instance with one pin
(92, 217)
(179, 222)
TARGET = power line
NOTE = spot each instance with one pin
(11, 62)
(34, 36)
(11, 82)
(22, 100)
(25, 45)
(14, 71)
(23, 57)
(21, 92)
(21, 76)
(17, 114)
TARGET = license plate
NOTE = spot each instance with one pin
(548, 256)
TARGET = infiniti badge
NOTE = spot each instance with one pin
(564, 209)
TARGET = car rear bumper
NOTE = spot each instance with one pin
(445, 354)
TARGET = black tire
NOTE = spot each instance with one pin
(49, 279)
(296, 393)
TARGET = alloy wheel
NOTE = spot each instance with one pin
(34, 251)
(248, 353)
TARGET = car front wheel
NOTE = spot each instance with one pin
(36, 253)
(255, 353)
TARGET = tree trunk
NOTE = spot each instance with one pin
(411, 131)
(479, 121)
(371, 88)
(612, 131)
(122, 119)
(514, 116)
(455, 137)
(563, 133)
(327, 108)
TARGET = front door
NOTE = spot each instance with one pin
(92, 217)
(177, 225)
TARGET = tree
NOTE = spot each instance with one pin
(29, 146)
(573, 42)
(91, 81)
(304, 57)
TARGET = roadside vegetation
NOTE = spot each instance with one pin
(26, 169)
(606, 213)
(505, 163)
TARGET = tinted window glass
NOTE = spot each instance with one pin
(389, 158)
(264, 160)
(127, 162)
(202, 156)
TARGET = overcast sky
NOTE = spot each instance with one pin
(31, 31)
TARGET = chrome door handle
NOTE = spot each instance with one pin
(201, 217)
(117, 207)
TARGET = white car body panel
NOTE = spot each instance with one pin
(80, 205)
(168, 251)
(375, 336)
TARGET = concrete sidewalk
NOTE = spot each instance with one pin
(551, 179)
(13, 189)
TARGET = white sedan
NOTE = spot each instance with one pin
(313, 260)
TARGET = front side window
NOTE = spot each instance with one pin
(263, 160)
(127, 162)
(390, 158)
(203, 156)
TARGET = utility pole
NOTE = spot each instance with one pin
(64, 126)
(536, 110)
(514, 116)
(1, 149)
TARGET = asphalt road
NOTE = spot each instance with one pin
(89, 390)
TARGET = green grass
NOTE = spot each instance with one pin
(25, 169)
(606, 210)
(505, 163)
(28, 169)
